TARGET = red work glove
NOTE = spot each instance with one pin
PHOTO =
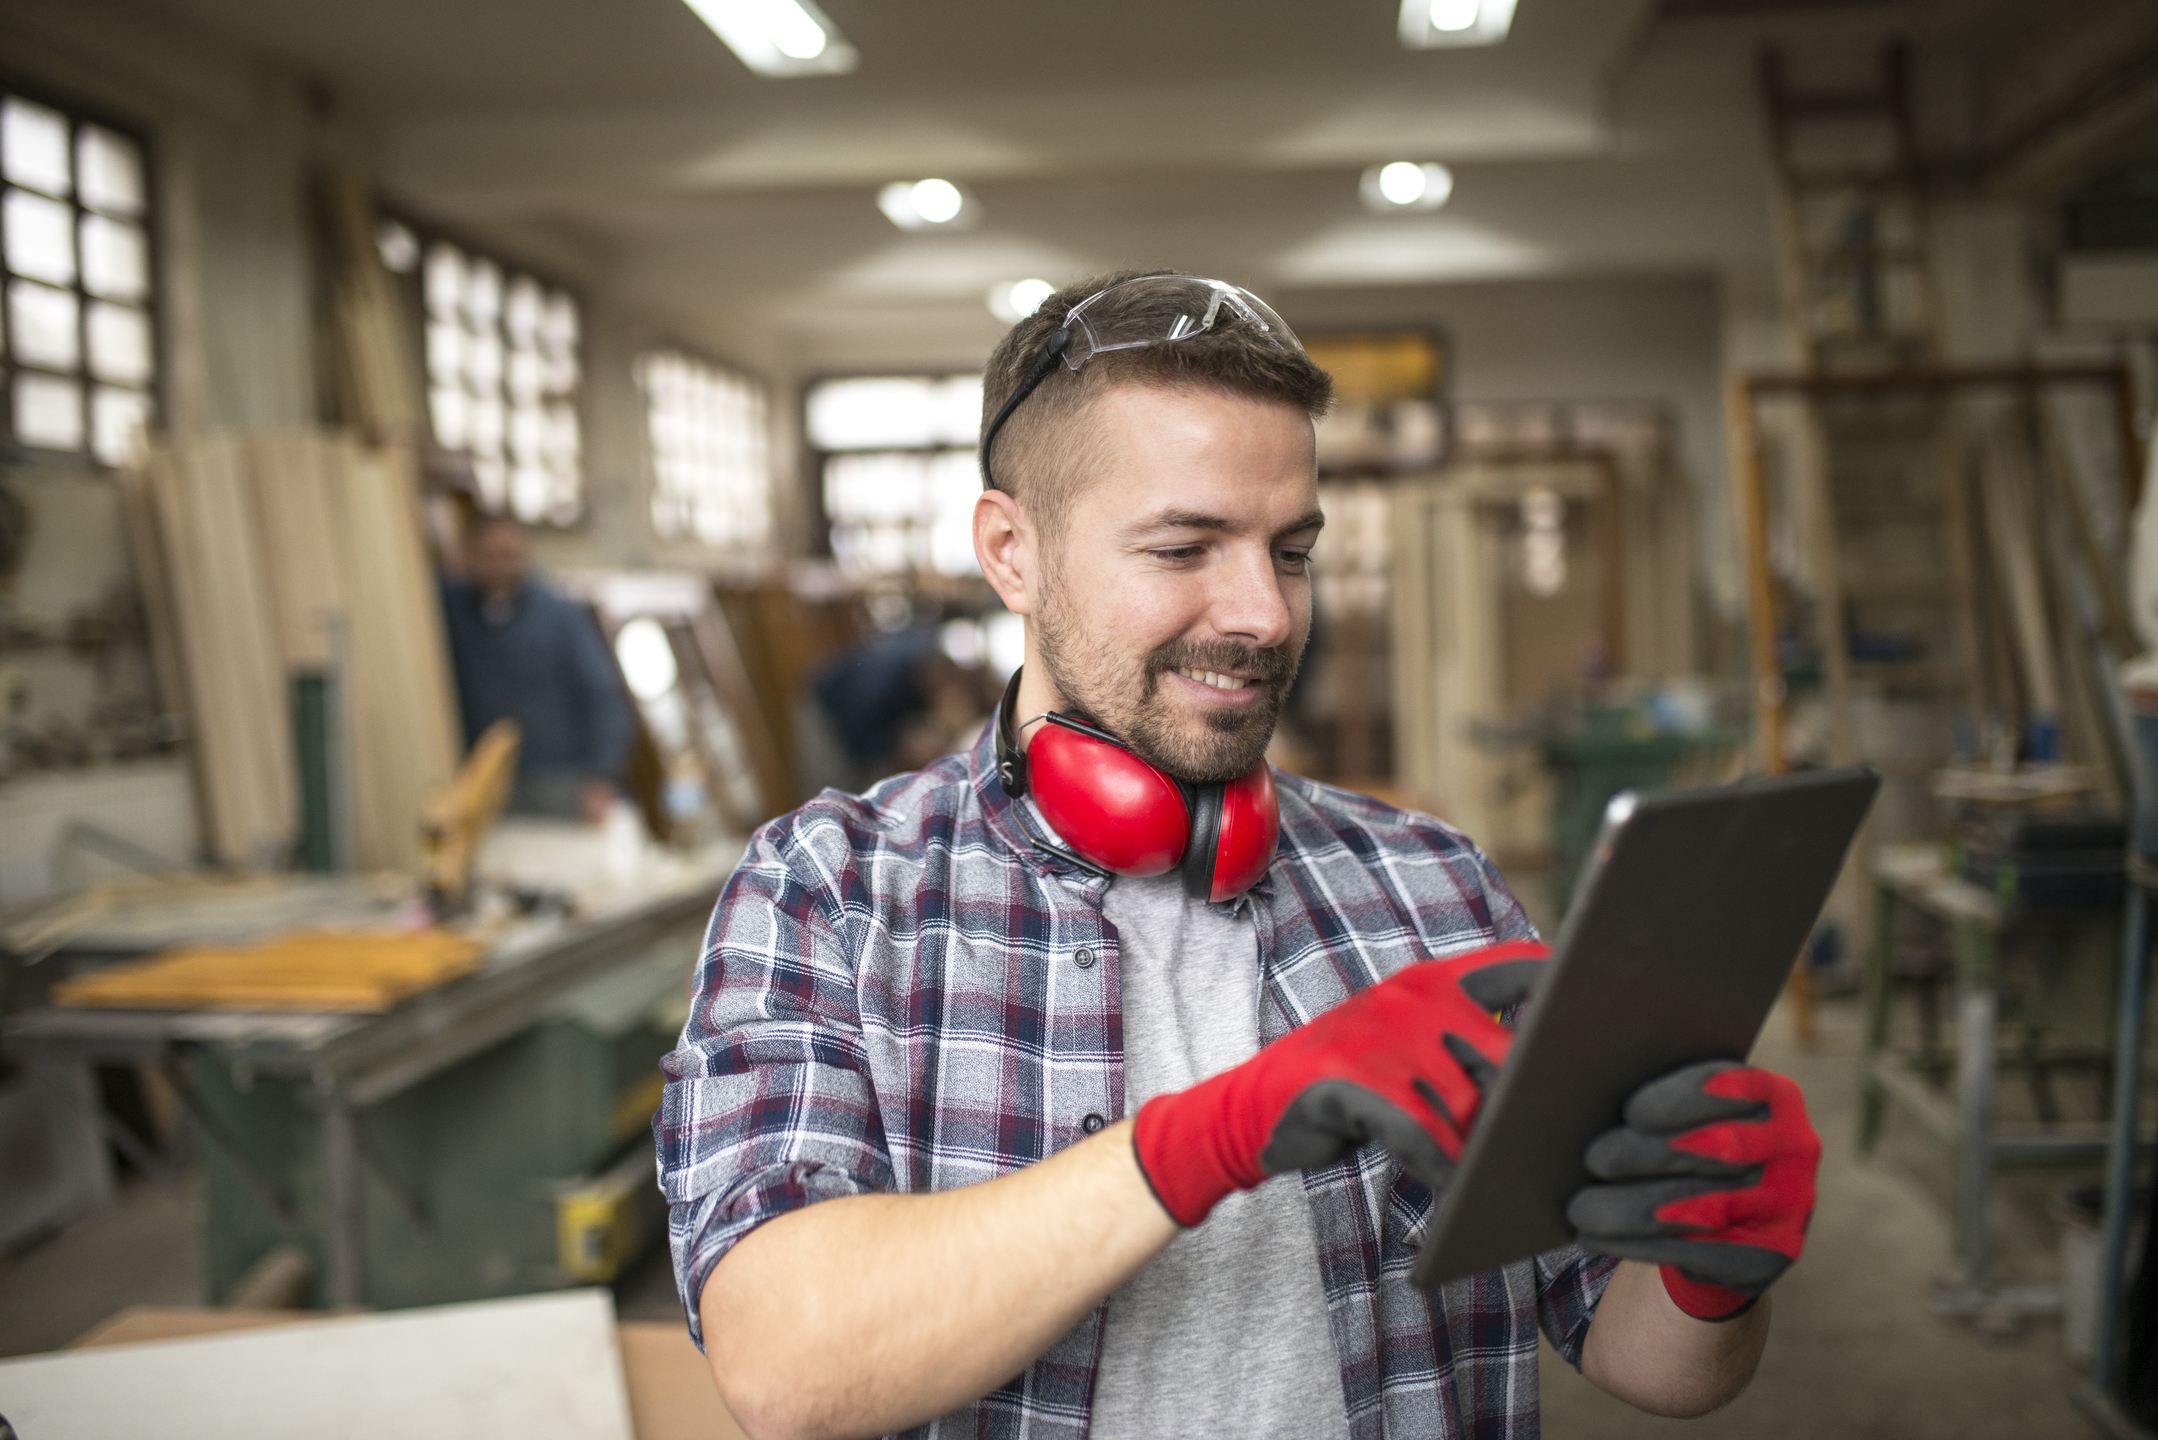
(1404, 1063)
(1712, 1179)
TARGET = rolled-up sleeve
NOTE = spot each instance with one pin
(1569, 1286)
(768, 1105)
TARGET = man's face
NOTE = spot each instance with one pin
(1177, 600)
(496, 558)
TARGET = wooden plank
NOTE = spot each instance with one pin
(153, 583)
(228, 649)
(285, 472)
(406, 737)
(315, 972)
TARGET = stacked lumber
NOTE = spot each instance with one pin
(254, 552)
(319, 971)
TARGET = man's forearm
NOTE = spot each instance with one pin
(1653, 1355)
(877, 1312)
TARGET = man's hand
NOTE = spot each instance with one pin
(1710, 1177)
(1404, 1063)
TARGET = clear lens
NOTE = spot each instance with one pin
(1162, 309)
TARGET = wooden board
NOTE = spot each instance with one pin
(541, 1367)
(224, 619)
(306, 971)
(288, 477)
(406, 736)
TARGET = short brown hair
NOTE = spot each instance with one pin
(1044, 476)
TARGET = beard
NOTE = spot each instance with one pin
(1097, 678)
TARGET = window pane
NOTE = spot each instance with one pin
(872, 414)
(530, 492)
(559, 327)
(118, 420)
(33, 146)
(115, 259)
(483, 427)
(445, 352)
(564, 443)
(483, 293)
(40, 238)
(493, 478)
(528, 435)
(524, 377)
(119, 343)
(111, 169)
(48, 411)
(445, 282)
(483, 361)
(446, 404)
(521, 311)
(42, 323)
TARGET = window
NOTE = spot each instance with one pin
(502, 382)
(899, 472)
(80, 341)
(711, 452)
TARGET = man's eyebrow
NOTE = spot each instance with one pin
(1200, 520)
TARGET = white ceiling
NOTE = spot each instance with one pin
(620, 139)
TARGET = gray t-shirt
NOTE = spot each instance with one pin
(1226, 1332)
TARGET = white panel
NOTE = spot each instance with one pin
(543, 1367)
(42, 324)
(33, 146)
(118, 420)
(2110, 290)
(119, 343)
(111, 169)
(40, 237)
(48, 411)
(115, 259)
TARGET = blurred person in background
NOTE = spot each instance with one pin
(891, 704)
(524, 651)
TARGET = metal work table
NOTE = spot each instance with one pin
(1917, 878)
(349, 1062)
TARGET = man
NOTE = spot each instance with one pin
(523, 651)
(1007, 1106)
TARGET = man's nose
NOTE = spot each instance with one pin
(1249, 603)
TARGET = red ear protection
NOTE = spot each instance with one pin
(1124, 817)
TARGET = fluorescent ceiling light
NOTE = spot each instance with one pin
(1013, 300)
(1406, 187)
(1446, 24)
(778, 37)
(927, 205)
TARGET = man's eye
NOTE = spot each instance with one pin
(1295, 559)
(1177, 552)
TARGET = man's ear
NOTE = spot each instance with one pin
(1005, 545)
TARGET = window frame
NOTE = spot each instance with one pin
(774, 517)
(815, 459)
(412, 284)
(80, 112)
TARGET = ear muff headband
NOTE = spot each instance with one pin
(1123, 816)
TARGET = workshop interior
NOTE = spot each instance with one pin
(1723, 389)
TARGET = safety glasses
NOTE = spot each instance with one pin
(1136, 314)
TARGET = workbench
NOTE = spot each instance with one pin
(1978, 921)
(638, 944)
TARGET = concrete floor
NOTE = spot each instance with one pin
(1855, 1352)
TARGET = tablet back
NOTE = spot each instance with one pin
(1679, 939)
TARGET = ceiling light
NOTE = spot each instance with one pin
(1014, 300)
(927, 205)
(1444, 24)
(1451, 15)
(778, 37)
(1405, 185)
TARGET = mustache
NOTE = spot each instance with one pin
(1275, 665)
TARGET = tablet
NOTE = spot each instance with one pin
(1683, 928)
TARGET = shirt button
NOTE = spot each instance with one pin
(1092, 1124)
(1084, 959)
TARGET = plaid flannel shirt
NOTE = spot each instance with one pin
(899, 993)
